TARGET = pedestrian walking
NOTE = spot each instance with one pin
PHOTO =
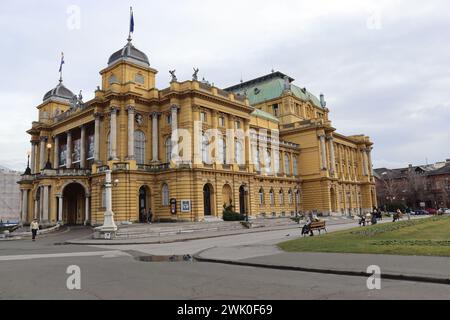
(149, 216)
(34, 226)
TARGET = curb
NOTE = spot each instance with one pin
(391, 276)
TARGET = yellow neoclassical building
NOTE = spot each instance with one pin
(266, 146)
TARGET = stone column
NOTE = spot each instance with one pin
(69, 150)
(46, 204)
(131, 112)
(41, 203)
(369, 161)
(230, 140)
(247, 144)
(174, 117)
(364, 156)
(33, 157)
(60, 208)
(332, 156)
(35, 209)
(43, 141)
(83, 147)
(86, 210)
(24, 215)
(56, 153)
(155, 137)
(97, 138)
(324, 151)
(113, 133)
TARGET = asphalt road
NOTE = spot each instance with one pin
(38, 271)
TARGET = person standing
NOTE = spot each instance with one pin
(34, 226)
(149, 216)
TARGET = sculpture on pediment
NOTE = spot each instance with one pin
(195, 75)
(174, 77)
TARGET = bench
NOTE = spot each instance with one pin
(317, 225)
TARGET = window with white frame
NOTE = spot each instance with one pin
(295, 165)
(276, 161)
(205, 148)
(239, 152)
(221, 121)
(255, 152)
(268, 161)
(139, 146)
(261, 196)
(287, 165)
(168, 146)
(165, 194)
(203, 117)
(281, 196)
(290, 196)
(272, 198)
(222, 146)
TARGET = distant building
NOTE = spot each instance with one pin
(9, 194)
(415, 186)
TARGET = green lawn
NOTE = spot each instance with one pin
(424, 237)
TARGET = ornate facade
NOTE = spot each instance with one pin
(265, 146)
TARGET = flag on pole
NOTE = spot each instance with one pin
(62, 62)
(131, 20)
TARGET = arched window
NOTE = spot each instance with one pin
(295, 165)
(272, 198)
(290, 196)
(165, 195)
(261, 196)
(268, 161)
(222, 146)
(139, 146)
(168, 146)
(287, 165)
(239, 152)
(281, 196)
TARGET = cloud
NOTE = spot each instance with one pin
(383, 65)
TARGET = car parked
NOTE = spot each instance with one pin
(444, 211)
(431, 211)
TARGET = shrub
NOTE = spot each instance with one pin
(230, 215)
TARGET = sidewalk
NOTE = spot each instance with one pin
(197, 235)
(413, 268)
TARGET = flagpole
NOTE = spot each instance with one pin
(131, 15)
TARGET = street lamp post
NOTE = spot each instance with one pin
(245, 202)
(48, 165)
(109, 228)
(296, 204)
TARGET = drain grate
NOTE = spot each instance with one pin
(172, 258)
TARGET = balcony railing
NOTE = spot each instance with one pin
(64, 172)
(153, 167)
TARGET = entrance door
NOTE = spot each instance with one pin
(207, 200)
(74, 204)
(241, 200)
(142, 204)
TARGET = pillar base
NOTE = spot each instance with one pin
(104, 234)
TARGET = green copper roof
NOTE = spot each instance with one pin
(264, 115)
(271, 87)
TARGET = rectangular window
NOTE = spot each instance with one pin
(169, 119)
(276, 111)
(237, 124)
(203, 117)
(221, 121)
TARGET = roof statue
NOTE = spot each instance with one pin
(195, 75)
(174, 77)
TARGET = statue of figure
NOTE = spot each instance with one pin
(80, 96)
(195, 75)
(174, 77)
(287, 83)
(73, 102)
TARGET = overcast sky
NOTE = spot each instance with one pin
(384, 66)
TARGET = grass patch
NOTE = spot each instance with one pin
(424, 237)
